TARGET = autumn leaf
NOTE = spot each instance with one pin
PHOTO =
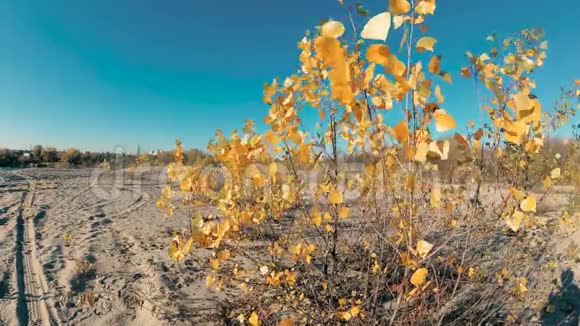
(528, 204)
(440, 149)
(175, 250)
(343, 212)
(335, 197)
(434, 65)
(421, 152)
(443, 121)
(555, 174)
(254, 320)
(522, 285)
(286, 322)
(349, 314)
(425, 7)
(187, 246)
(423, 248)
(478, 134)
(419, 277)
(438, 95)
(426, 43)
(377, 28)
(401, 132)
(333, 29)
(465, 72)
(515, 220)
(315, 217)
(398, 7)
(398, 21)
(435, 199)
(378, 53)
(446, 77)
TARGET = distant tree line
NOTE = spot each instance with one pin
(40, 156)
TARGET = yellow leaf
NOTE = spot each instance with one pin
(439, 149)
(349, 314)
(435, 199)
(528, 204)
(355, 310)
(272, 138)
(175, 251)
(214, 263)
(254, 320)
(376, 267)
(378, 53)
(401, 132)
(555, 174)
(272, 169)
(327, 217)
(470, 272)
(397, 68)
(478, 134)
(316, 218)
(343, 212)
(345, 315)
(438, 95)
(333, 29)
(259, 179)
(421, 152)
(515, 220)
(425, 7)
(547, 182)
(446, 77)
(210, 280)
(187, 247)
(288, 194)
(443, 121)
(286, 322)
(398, 7)
(435, 65)
(377, 28)
(423, 248)
(335, 197)
(465, 72)
(522, 285)
(406, 260)
(521, 101)
(419, 277)
(398, 21)
(369, 74)
(426, 43)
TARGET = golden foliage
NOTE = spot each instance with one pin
(301, 250)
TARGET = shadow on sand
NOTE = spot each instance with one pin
(564, 304)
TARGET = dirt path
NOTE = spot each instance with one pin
(34, 306)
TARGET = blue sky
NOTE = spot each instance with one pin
(96, 74)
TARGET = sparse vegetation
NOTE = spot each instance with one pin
(301, 237)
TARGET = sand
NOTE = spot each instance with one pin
(115, 270)
(88, 247)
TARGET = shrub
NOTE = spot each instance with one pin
(302, 236)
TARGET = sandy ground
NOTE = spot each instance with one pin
(113, 268)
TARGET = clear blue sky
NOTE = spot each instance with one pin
(95, 74)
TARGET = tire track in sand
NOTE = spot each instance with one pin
(33, 307)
